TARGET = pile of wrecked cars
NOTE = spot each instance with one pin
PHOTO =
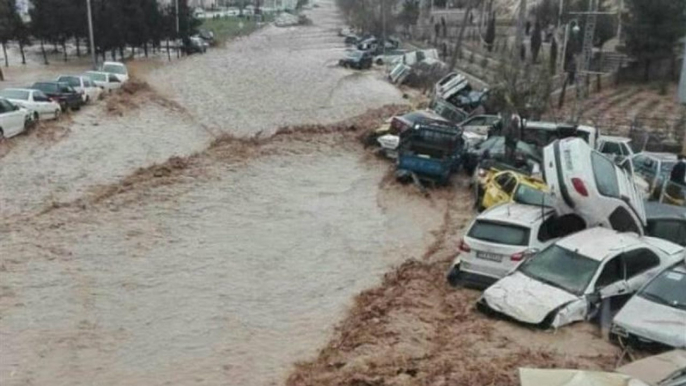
(578, 243)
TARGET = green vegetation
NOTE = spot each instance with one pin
(230, 27)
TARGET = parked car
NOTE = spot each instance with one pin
(666, 369)
(567, 281)
(207, 36)
(510, 186)
(117, 69)
(494, 148)
(357, 59)
(429, 153)
(453, 81)
(83, 85)
(62, 93)
(656, 315)
(542, 134)
(585, 182)
(500, 238)
(666, 222)
(35, 101)
(654, 168)
(107, 82)
(13, 119)
(615, 147)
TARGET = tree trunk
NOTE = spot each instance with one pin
(561, 101)
(23, 54)
(2, 76)
(646, 73)
(458, 44)
(121, 53)
(54, 47)
(64, 48)
(4, 51)
(145, 49)
(168, 53)
(45, 55)
(114, 54)
(78, 47)
(599, 87)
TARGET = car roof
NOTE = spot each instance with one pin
(656, 210)
(599, 243)
(19, 89)
(515, 213)
(615, 138)
(541, 125)
(659, 156)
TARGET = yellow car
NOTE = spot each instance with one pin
(509, 186)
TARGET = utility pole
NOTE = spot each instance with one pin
(178, 30)
(682, 82)
(519, 37)
(91, 35)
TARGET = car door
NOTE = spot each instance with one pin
(12, 118)
(641, 265)
(500, 189)
(611, 283)
(42, 103)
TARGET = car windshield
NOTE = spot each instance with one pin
(70, 80)
(528, 195)
(605, 175)
(666, 167)
(114, 69)
(499, 233)
(561, 268)
(100, 77)
(15, 94)
(671, 230)
(49, 87)
(668, 288)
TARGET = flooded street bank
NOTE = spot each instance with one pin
(225, 273)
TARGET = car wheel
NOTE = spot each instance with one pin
(88, 99)
(58, 112)
(36, 117)
(2, 135)
(453, 276)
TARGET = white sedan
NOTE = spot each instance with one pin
(83, 85)
(585, 182)
(13, 119)
(105, 81)
(35, 101)
(568, 281)
(117, 69)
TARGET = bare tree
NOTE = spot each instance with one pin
(458, 44)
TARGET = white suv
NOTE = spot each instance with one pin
(502, 237)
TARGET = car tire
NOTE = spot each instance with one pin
(2, 135)
(58, 112)
(453, 277)
(36, 117)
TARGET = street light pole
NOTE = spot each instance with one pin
(90, 33)
(177, 17)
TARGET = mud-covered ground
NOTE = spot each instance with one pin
(165, 236)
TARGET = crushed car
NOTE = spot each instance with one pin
(570, 279)
(429, 153)
(585, 182)
(510, 186)
(666, 369)
(656, 315)
(502, 237)
(494, 149)
(542, 134)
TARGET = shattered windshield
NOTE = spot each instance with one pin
(668, 288)
(561, 268)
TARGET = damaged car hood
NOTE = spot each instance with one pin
(525, 299)
(653, 321)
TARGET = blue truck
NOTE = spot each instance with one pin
(430, 153)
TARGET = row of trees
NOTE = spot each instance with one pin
(118, 24)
